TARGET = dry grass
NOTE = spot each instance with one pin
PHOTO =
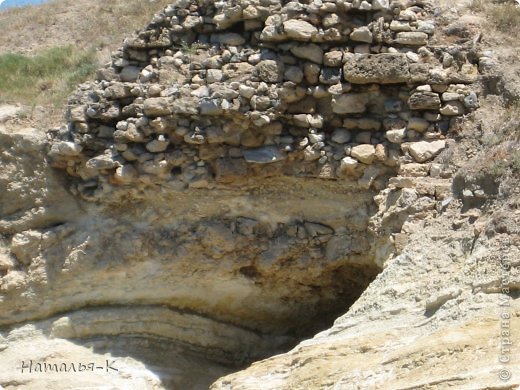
(46, 50)
(503, 14)
(502, 144)
(85, 23)
(506, 17)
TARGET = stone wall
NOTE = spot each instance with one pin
(209, 94)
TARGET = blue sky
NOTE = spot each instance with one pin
(14, 3)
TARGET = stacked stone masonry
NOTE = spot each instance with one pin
(213, 92)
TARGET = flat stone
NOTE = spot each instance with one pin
(311, 72)
(450, 96)
(369, 124)
(311, 154)
(400, 26)
(317, 229)
(299, 30)
(232, 39)
(412, 38)
(352, 103)
(384, 68)
(426, 27)
(311, 52)
(263, 155)
(423, 151)
(424, 101)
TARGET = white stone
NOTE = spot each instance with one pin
(362, 34)
(364, 153)
(423, 151)
(299, 29)
(396, 136)
(213, 75)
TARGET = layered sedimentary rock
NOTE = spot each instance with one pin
(232, 181)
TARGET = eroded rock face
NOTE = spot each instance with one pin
(415, 326)
(232, 182)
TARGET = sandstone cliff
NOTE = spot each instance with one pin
(243, 173)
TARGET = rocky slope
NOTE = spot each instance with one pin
(235, 179)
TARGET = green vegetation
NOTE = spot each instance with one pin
(47, 77)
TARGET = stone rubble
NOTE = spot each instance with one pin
(210, 90)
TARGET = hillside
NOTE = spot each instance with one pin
(260, 195)
(4, 4)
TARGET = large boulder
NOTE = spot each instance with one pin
(383, 68)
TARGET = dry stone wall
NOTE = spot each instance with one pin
(210, 93)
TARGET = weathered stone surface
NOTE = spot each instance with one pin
(362, 34)
(232, 39)
(299, 29)
(211, 197)
(423, 151)
(270, 71)
(453, 108)
(424, 101)
(311, 52)
(157, 145)
(377, 68)
(396, 136)
(67, 149)
(8, 111)
(364, 153)
(350, 103)
(157, 107)
(412, 38)
(347, 166)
